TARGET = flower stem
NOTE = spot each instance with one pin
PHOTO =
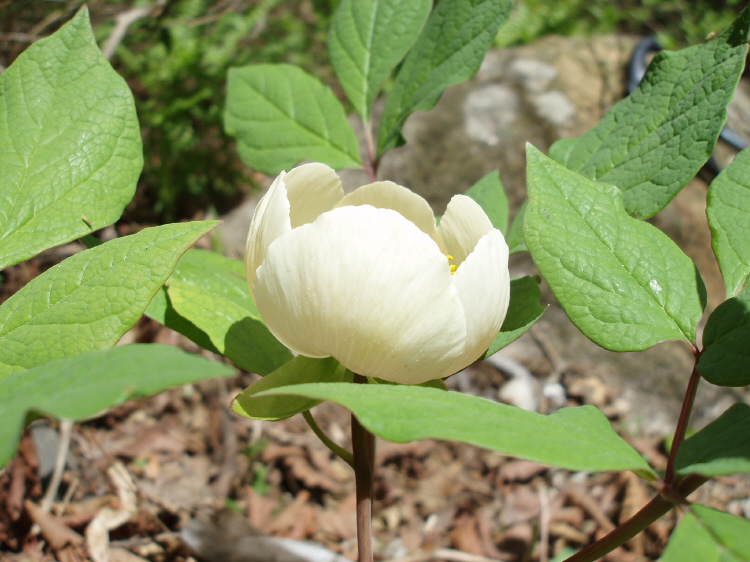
(340, 452)
(654, 509)
(363, 446)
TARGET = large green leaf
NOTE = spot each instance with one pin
(207, 300)
(654, 141)
(707, 535)
(299, 370)
(87, 302)
(621, 281)
(490, 195)
(726, 340)
(82, 386)
(720, 448)
(232, 329)
(523, 312)
(367, 39)
(449, 50)
(282, 115)
(572, 438)
(728, 212)
(70, 148)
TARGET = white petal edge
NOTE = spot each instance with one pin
(312, 190)
(389, 195)
(367, 287)
(270, 221)
(461, 227)
(483, 285)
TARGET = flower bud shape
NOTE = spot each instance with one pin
(369, 279)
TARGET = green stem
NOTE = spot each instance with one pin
(340, 452)
(649, 513)
(363, 446)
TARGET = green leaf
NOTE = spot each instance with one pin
(213, 272)
(571, 438)
(70, 147)
(621, 281)
(707, 535)
(523, 312)
(720, 448)
(82, 386)
(489, 193)
(449, 50)
(232, 329)
(207, 300)
(725, 360)
(87, 302)
(299, 370)
(516, 243)
(653, 142)
(367, 39)
(728, 212)
(281, 115)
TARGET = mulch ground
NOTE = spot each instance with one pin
(178, 477)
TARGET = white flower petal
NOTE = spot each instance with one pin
(312, 190)
(369, 288)
(483, 285)
(462, 225)
(388, 195)
(270, 221)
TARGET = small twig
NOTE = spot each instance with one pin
(444, 554)
(18, 37)
(68, 496)
(122, 22)
(66, 430)
(340, 452)
(544, 520)
(589, 505)
(558, 364)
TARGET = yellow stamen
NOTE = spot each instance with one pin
(450, 258)
(453, 269)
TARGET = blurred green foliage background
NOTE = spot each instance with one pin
(175, 60)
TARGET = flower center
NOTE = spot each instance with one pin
(453, 267)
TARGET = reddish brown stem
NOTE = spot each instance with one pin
(682, 422)
(363, 448)
(654, 509)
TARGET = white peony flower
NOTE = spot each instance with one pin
(369, 279)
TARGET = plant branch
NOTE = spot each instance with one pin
(363, 447)
(372, 163)
(340, 452)
(682, 422)
(649, 513)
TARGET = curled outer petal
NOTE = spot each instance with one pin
(293, 199)
(462, 226)
(483, 285)
(270, 221)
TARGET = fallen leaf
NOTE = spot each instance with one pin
(57, 533)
